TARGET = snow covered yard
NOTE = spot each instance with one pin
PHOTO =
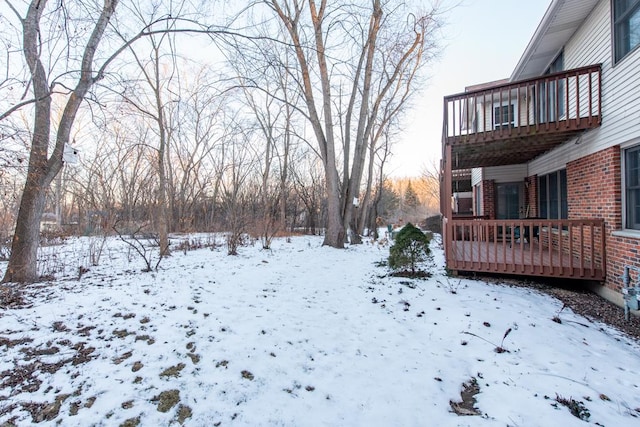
(301, 335)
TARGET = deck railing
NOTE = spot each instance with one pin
(564, 101)
(536, 247)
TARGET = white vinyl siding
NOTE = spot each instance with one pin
(484, 116)
(592, 44)
(478, 209)
(506, 174)
(476, 176)
(499, 174)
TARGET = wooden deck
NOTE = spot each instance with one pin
(566, 249)
(514, 122)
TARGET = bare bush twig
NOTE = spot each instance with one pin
(139, 247)
(451, 287)
(498, 348)
(96, 246)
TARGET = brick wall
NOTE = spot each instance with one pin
(595, 191)
(594, 187)
(621, 251)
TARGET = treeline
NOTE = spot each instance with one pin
(274, 116)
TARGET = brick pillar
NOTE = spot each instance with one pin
(489, 198)
(531, 194)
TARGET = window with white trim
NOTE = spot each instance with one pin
(504, 116)
(632, 187)
(626, 27)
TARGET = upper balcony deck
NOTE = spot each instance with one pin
(515, 122)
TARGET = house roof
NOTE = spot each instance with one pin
(486, 85)
(559, 23)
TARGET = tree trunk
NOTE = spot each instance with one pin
(22, 265)
(364, 127)
(324, 134)
(162, 205)
(163, 223)
(284, 170)
(24, 248)
(366, 202)
(335, 233)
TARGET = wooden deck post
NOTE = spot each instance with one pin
(446, 194)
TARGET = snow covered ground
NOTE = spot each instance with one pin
(300, 335)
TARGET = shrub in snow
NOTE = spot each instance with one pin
(410, 248)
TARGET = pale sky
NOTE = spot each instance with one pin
(484, 41)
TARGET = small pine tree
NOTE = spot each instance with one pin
(410, 248)
(411, 200)
(388, 201)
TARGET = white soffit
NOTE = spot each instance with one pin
(559, 23)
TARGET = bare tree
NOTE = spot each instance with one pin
(309, 185)
(14, 137)
(428, 186)
(380, 57)
(271, 96)
(10, 183)
(218, 162)
(116, 180)
(235, 194)
(156, 74)
(320, 115)
(378, 155)
(42, 167)
(393, 96)
(274, 121)
(62, 45)
(198, 128)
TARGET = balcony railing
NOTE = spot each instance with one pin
(534, 247)
(568, 101)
